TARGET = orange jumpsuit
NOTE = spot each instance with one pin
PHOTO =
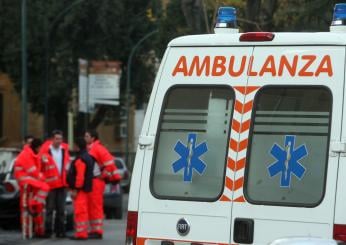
(81, 180)
(27, 173)
(109, 172)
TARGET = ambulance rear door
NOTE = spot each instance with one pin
(187, 182)
(291, 168)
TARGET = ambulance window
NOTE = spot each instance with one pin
(288, 154)
(192, 143)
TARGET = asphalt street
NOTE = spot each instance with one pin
(114, 233)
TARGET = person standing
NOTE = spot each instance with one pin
(80, 178)
(33, 189)
(55, 158)
(104, 171)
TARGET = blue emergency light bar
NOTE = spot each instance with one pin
(339, 17)
(226, 18)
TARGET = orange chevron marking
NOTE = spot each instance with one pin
(231, 164)
(240, 164)
(233, 145)
(225, 199)
(236, 125)
(245, 126)
(247, 107)
(239, 183)
(246, 89)
(229, 183)
(242, 145)
(239, 199)
(238, 106)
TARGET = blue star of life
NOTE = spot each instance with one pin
(189, 157)
(287, 161)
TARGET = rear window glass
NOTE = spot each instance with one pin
(192, 142)
(289, 146)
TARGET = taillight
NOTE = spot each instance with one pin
(256, 37)
(339, 232)
(9, 187)
(131, 228)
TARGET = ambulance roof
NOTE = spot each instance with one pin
(280, 39)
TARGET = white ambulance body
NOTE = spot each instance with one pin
(243, 142)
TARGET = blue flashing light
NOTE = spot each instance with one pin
(226, 16)
(339, 14)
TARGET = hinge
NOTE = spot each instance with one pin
(146, 141)
(337, 147)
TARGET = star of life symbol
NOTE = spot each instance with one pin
(189, 157)
(287, 161)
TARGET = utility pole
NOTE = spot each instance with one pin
(24, 72)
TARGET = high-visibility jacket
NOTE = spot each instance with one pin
(53, 177)
(27, 172)
(27, 167)
(105, 160)
(80, 173)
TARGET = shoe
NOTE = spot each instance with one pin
(95, 236)
(40, 237)
(78, 238)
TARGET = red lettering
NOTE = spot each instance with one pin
(309, 60)
(181, 66)
(231, 70)
(250, 72)
(290, 67)
(325, 66)
(219, 67)
(268, 66)
(195, 65)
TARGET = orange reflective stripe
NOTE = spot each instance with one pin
(50, 179)
(108, 163)
(31, 169)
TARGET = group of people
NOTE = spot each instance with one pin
(45, 174)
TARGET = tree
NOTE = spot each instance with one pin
(93, 30)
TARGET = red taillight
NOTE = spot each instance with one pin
(339, 232)
(256, 37)
(9, 187)
(131, 229)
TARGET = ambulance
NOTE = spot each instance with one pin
(244, 140)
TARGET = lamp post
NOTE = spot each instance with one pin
(47, 47)
(128, 87)
(24, 106)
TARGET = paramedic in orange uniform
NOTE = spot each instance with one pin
(80, 178)
(104, 171)
(27, 173)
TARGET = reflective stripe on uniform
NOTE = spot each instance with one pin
(24, 178)
(81, 229)
(108, 163)
(18, 168)
(42, 193)
(39, 199)
(50, 179)
(50, 167)
(81, 223)
(96, 221)
(96, 228)
(31, 169)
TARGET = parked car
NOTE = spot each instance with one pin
(124, 172)
(113, 201)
